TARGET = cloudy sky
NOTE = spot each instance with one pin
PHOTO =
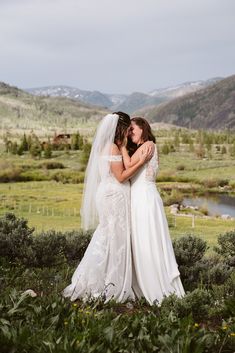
(117, 46)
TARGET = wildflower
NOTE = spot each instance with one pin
(232, 334)
(225, 327)
(196, 324)
(129, 306)
(75, 305)
(65, 322)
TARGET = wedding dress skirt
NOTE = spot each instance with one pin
(106, 268)
(155, 272)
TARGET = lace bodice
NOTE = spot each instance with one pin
(148, 172)
(152, 167)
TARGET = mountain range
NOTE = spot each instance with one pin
(210, 105)
(210, 108)
(125, 102)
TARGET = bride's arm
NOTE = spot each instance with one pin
(118, 170)
(128, 161)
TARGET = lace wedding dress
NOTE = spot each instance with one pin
(155, 271)
(106, 268)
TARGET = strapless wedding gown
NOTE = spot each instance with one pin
(106, 268)
(155, 271)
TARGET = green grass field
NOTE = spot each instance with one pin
(49, 204)
(52, 205)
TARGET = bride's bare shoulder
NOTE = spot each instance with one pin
(115, 150)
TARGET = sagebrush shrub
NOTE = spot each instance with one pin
(15, 238)
(195, 303)
(52, 165)
(76, 244)
(48, 248)
(189, 250)
(226, 247)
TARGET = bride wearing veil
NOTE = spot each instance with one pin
(106, 268)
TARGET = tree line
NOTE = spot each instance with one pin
(36, 148)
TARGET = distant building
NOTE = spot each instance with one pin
(62, 139)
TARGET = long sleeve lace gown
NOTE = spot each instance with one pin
(155, 269)
(106, 268)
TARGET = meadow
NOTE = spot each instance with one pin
(50, 198)
(47, 193)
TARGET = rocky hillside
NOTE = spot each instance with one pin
(21, 110)
(210, 108)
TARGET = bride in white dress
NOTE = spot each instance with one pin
(106, 268)
(155, 271)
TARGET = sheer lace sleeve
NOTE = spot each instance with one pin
(152, 167)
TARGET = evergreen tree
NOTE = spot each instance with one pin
(177, 140)
(20, 150)
(24, 143)
(232, 150)
(85, 152)
(75, 141)
(14, 148)
(191, 146)
(8, 144)
(200, 151)
(223, 150)
(35, 150)
(48, 150)
(165, 148)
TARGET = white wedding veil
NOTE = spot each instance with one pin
(101, 148)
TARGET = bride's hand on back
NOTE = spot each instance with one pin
(145, 154)
(147, 151)
(150, 148)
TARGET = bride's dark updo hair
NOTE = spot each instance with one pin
(123, 124)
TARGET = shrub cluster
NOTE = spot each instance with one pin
(19, 245)
(52, 165)
(213, 183)
(197, 269)
(202, 321)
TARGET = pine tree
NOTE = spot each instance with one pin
(48, 150)
(200, 151)
(35, 150)
(232, 150)
(177, 140)
(14, 148)
(24, 143)
(165, 148)
(223, 150)
(85, 152)
(20, 150)
(75, 141)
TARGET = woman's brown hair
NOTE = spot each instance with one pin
(123, 124)
(147, 134)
